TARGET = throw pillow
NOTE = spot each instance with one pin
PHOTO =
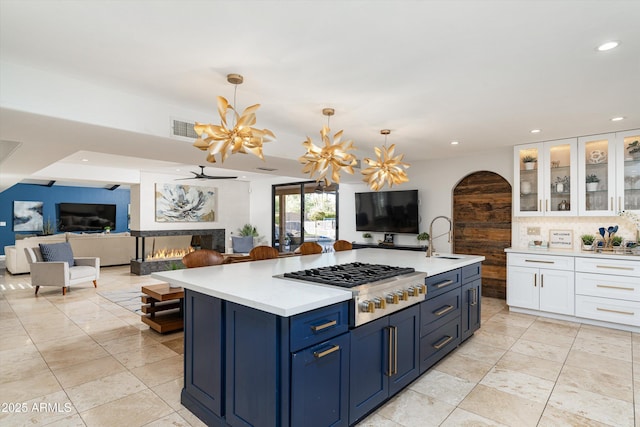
(57, 252)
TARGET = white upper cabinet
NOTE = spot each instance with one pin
(628, 171)
(597, 175)
(545, 177)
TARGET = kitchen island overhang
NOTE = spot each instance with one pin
(266, 351)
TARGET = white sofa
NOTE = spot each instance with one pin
(112, 249)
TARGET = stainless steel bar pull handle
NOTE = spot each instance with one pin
(622, 288)
(395, 350)
(535, 280)
(442, 342)
(443, 284)
(316, 328)
(628, 313)
(475, 296)
(539, 261)
(319, 354)
(389, 364)
(615, 267)
(443, 310)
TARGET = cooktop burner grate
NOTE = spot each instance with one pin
(349, 275)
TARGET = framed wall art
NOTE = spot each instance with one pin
(185, 203)
(27, 216)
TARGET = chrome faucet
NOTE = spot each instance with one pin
(430, 250)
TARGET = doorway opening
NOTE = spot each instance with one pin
(304, 212)
(482, 226)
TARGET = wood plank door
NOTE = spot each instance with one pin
(482, 226)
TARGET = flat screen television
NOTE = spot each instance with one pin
(86, 216)
(387, 211)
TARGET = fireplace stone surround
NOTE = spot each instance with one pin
(208, 239)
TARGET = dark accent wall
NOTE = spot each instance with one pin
(51, 196)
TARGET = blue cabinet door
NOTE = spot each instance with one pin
(471, 308)
(320, 384)
(202, 393)
(256, 368)
(369, 367)
(405, 327)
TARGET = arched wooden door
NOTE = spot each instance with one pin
(482, 226)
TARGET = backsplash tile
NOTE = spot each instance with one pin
(579, 225)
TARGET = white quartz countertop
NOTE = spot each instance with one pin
(574, 253)
(253, 283)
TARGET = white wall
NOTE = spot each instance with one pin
(233, 201)
(435, 181)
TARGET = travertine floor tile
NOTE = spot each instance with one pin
(410, 408)
(17, 369)
(473, 349)
(500, 341)
(461, 418)
(144, 355)
(134, 410)
(620, 350)
(28, 388)
(49, 408)
(542, 368)
(597, 382)
(519, 384)
(594, 406)
(442, 386)
(597, 363)
(555, 326)
(547, 337)
(543, 351)
(464, 367)
(88, 371)
(553, 417)
(103, 390)
(160, 372)
(503, 407)
(170, 392)
(171, 420)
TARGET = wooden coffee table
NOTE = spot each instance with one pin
(163, 307)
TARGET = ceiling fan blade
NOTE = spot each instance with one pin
(219, 177)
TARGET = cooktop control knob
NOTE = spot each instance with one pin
(422, 288)
(403, 295)
(392, 298)
(380, 303)
(367, 306)
(413, 291)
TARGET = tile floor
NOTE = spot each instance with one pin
(81, 360)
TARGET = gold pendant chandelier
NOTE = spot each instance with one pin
(332, 155)
(241, 137)
(386, 168)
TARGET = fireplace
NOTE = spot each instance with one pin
(167, 258)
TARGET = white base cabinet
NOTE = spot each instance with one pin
(589, 289)
(550, 289)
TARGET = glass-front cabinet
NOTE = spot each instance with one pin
(628, 171)
(596, 175)
(546, 179)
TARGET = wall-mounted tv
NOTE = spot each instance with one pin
(86, 216)
(387, 211)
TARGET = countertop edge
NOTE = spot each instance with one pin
(572, 253)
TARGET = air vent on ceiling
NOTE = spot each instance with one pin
(358, 164)
(182, 130)
(261, 168)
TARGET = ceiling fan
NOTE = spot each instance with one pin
(203, 175)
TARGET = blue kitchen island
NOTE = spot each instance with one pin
(262, 350)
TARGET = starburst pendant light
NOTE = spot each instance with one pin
(386, 168)
(240, 137)
(318, 160)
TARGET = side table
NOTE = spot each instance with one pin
(163, 307)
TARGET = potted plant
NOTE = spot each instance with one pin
(587, 241)
(422, 237)
(592, 182)
(47, 227)
(562, 184)
(529, 162)
(616, 241)
(367, 237)
(634, 149)
(107, 229)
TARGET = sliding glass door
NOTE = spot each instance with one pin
(304, 212)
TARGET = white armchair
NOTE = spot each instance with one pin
(58, 273)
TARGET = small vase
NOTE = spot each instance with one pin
(592, 186)
(559, 188)
(529, 165)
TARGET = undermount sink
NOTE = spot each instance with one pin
(448, 256)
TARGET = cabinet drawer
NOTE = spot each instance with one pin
(318, 325)
(552, 262)
(608, 310)
(614, 267)
(445, 306)
(443, 282)
(438, 343)
(471, 272)
(608, 286)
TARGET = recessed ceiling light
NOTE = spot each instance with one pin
(535, 130)
(454, 143)
(617, 119)
(85, 160)
(608, 46)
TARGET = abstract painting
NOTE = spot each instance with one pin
(185, 203)
(27, 216)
